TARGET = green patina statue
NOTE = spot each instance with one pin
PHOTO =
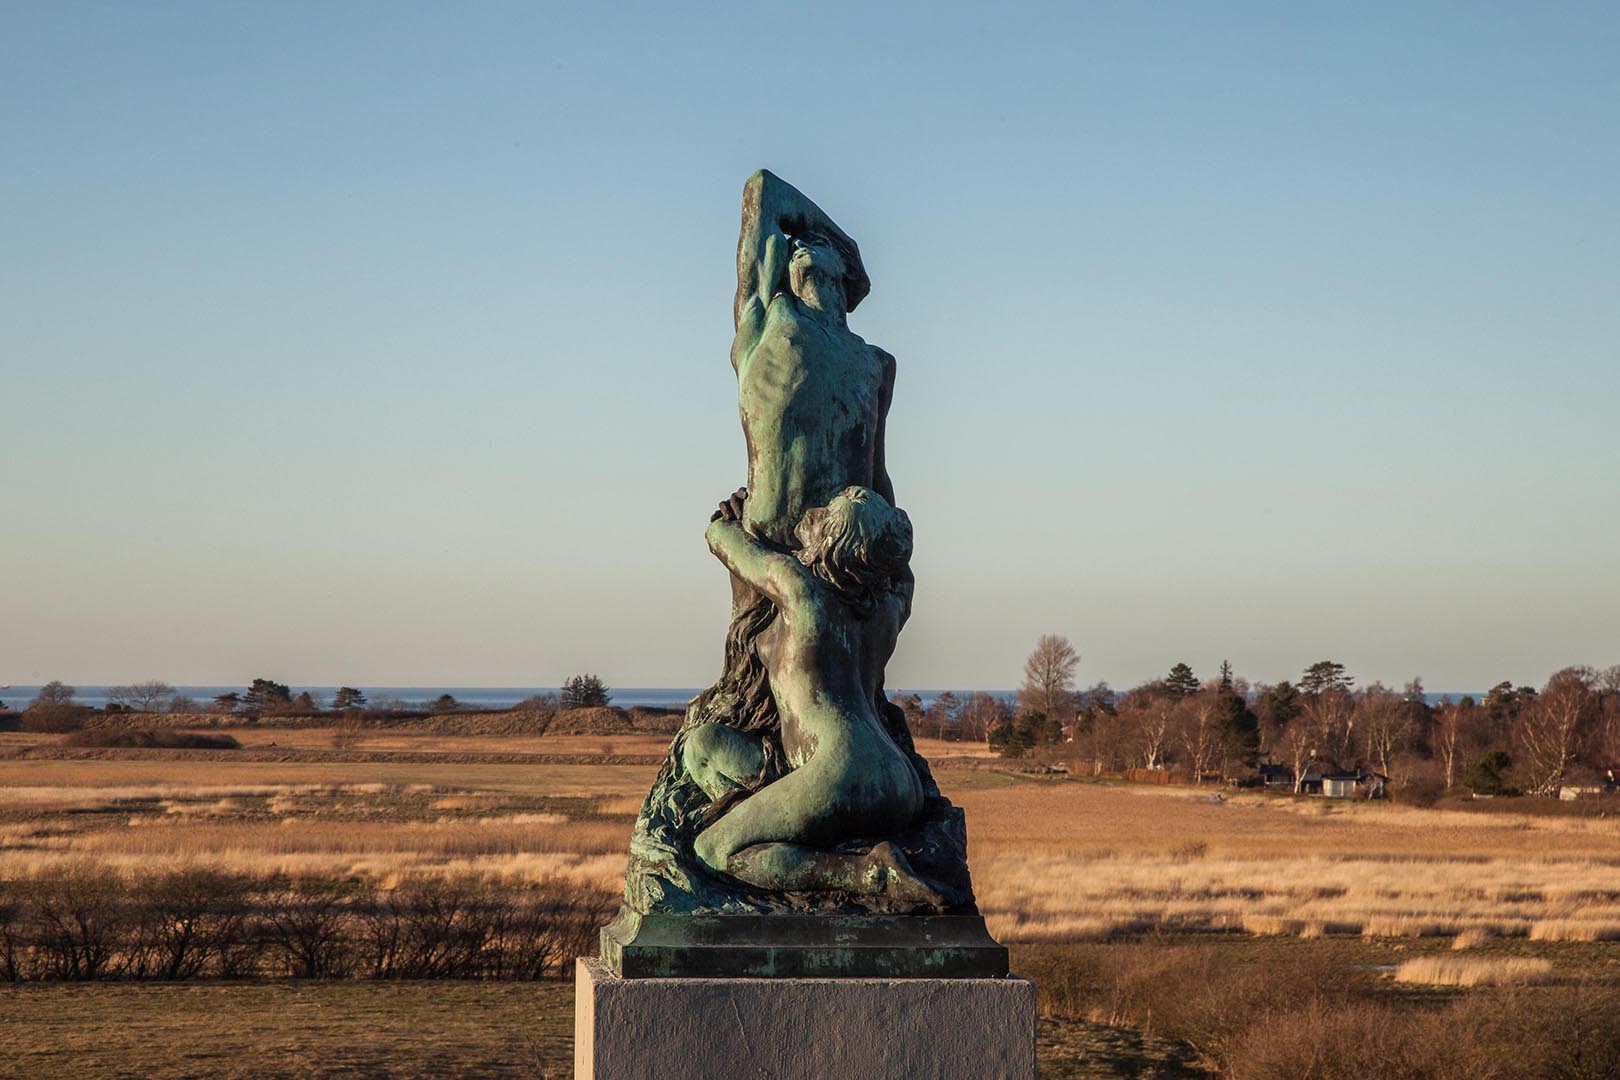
(812, 394)
(793, 827)
(840, 602)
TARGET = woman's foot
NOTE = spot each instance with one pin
(890, 872)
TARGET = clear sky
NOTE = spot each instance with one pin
(387, 343)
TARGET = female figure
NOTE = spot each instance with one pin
(841, 600)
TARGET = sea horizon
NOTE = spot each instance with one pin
(495, 697)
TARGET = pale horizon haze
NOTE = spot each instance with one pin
(387, 344)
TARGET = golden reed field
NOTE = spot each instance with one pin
(1053, 859)
(1171, 931)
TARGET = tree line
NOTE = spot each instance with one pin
(55, 707)
(1512, 739)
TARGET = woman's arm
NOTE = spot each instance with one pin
(775, 574)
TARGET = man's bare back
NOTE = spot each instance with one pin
(812, 394)
(812, 398)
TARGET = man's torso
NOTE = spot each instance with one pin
(809, 395)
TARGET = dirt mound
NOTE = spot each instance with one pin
(150, 739)
(615, 721)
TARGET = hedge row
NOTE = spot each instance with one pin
(204, 923)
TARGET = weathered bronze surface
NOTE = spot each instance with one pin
(801, 946)
(793, 828)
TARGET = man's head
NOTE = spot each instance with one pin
(857, 543)
(827, 273)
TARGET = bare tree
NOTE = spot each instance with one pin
(939, 719)
(1606, 739)
(1301, 741)
(1385, 721)
(1330, 717)
(142, 696)
(1147, 719)
(979, 713)
(1197, 729)
(1552, 732)
(1448, 731)
(1049, 679)
(53, 693)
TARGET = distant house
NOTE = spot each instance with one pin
(1277, 776)
(1339, 785)
(1354, 784)
(1586, 784)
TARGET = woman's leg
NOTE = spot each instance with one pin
(761, 841)
(722, 760)
(883, 871)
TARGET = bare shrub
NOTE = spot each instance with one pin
(193, 923)
(54, 718)
(306, 926)
(1570, 1033)
(151, 739)
(430, 928)
(11, 943)
(1190, 993)
(1207, 1004)
(1325, 1041)
(78, 919)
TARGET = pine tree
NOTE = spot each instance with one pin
(1181, 682)
(1323, 676)
(266, 693)
(1238, 726)
(584, 692)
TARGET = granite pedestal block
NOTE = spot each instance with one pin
(801, 1028)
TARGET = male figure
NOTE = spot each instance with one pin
(813, 395)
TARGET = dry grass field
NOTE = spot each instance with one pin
(1412, 902)
(1054, 859)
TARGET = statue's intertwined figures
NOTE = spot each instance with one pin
(793, 785)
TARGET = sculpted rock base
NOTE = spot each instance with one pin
(802, 1029)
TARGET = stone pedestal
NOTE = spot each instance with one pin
(801, 1028)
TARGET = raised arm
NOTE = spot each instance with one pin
(772, 211)
(880, 463)
(776, 574)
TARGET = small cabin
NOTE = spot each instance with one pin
(1356, 784)
(1339, 785)
(1277, 776)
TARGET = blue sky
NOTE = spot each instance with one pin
(388, 343)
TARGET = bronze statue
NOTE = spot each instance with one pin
(813, 395)
(793, 788)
